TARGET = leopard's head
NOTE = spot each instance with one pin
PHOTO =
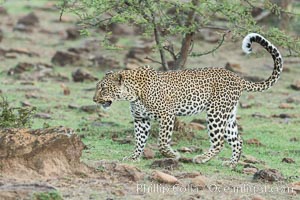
(112, 88)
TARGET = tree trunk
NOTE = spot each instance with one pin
(187, 40)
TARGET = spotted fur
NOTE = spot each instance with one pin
(164, 95)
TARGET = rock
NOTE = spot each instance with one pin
(269, 175)
(127, 140)
(286, 106)
(73, 106)
(23, 28)
(136, 52)
(26, 104)
(186, 160)
(251, 159)
(129, 172)
(259, 115)
(66, 90)
(3, 11)
(183, 175)
(104, 62)
(62, 58)
(20, 68)
(80, 75)
(295, 99)
(51, 152)
(250, 170)
(73, 33)
(167, 163)
(29, 20)
(89, 108)
(200, 182)
(148, 153)
(245, 105)
(78, 50)
(196, 126)
(296, 85)
(43, 115)
(254, 141)
(163, 177)
(294, 139)
(288, 160)
(295, 186)
(257, 197)
(285, 115)
(15, 190)
(27, 52)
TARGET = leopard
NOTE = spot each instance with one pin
(164, 95)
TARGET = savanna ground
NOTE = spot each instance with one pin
(277, 137)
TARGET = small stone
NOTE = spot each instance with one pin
(183, 175)
(186, 160)
(80, 75)
(200, 182)
(43, 115)
(295, 186)
(66, 90)
(269, 175)
(73, 33)
(62, 58)
(29, 20)
(254, 141)
(89, 108)
(167, 163)
(250, 170)
(295, 99)
(164, 178)
(73, 106)
(257, 197)
(294, 139)
(286, 106)
(288, 160)
(251, 159)
(245, 105)
(296, 85)
(129, 172)
(25, 104)
(3, 11)
(148, 153)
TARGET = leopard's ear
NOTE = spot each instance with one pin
(109, 72)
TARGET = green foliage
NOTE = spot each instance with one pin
(54, 195)
(14, 117)
(171, 18)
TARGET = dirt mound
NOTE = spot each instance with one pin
(41, 153)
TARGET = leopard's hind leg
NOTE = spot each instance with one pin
(216, 125)
(233, 139)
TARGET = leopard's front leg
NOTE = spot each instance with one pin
(141, 132)
(166, 125)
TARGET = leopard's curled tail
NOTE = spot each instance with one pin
(278, 62)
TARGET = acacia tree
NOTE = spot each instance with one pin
(165, 19)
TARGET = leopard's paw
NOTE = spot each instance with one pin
(200, 159)
(229, 164)
(131, 158)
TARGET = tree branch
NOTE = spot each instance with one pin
(212, 50)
